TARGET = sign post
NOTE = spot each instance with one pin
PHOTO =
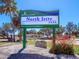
(54, 39)
(24, 37)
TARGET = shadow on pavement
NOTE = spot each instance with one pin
(20, 55)
(20, 50)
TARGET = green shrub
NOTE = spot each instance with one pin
(64, 49)
(58, 49)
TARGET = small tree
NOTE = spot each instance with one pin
(70, 27)
(9, 29)
(78, 30)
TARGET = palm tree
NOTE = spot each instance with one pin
(8, 7)
(16, 24)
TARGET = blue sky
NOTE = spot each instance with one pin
(69, 9)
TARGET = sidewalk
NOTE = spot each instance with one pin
(31, 52)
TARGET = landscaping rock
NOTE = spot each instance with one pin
(41, 44)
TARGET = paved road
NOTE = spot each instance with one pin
(31, 52)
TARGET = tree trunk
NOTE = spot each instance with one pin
(20, 36)
(52, 50)
(13, 35)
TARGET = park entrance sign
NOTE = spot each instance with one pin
(38, 19)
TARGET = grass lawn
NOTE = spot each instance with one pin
(76, 49)
(32, 42)
(7, 43)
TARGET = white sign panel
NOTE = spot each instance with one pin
(39, 20)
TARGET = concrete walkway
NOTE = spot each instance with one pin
(31, 52)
